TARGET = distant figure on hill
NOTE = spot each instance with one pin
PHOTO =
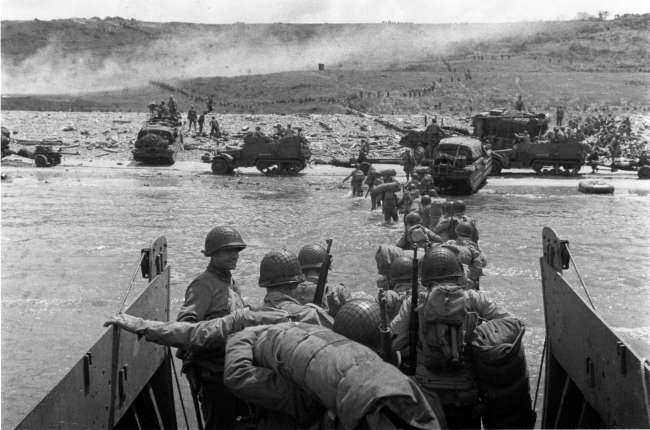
(519, 104)
(210, 103)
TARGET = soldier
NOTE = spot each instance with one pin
(424, 210)
(426, 185)
(153, 107)
(213, 294)
(400, 276)
(281, 275)
(201, 122)
(389, 205)
(171, 104)
(454, 213)
(311, 258)
(214, 128)
(302, 376)
(559, 116)
(469, 254)
(191, 118)
(519, 104)
(444, 369)
(162, 110)
(356, 183)
(416, 234)
(408, 162)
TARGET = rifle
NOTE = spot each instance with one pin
(413, 322)
(322, 276)
(384, 330)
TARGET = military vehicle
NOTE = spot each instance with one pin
(423, 142)
(158, 142)
(543, 156)
(516, 141)
(460, 165)
(42, 155)
(498, 127)
(284, 155)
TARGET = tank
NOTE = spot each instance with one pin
(498, 127)
(158, 141)
(277, 154)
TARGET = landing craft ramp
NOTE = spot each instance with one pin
(122, 381)
(594, 379)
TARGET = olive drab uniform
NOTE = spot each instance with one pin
(446, 319)
(213, 294)
(472, 259)
(309, 313)
(303, 376)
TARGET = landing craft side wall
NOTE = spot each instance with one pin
(586, 358)
(101, 387)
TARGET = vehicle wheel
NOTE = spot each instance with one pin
(537, 167)
(496, 167)
(264, 167)
(220, 166)
(40, 160)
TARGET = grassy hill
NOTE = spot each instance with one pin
(117, 64)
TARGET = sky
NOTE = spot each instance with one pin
(317, 11)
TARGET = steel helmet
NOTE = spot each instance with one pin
(425, 200)
(413, 218)
(359, 320)
(280, 267)
(464, 229)
(312, 256)
(222, 237)
(401, 269)
(439, 264)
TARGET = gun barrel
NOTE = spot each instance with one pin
(322, 276)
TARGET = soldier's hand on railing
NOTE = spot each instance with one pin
(126, 322)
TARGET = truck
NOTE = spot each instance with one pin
(285, 154)
(461, 165)
(158, 142)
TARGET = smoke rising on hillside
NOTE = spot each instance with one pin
(241, 49)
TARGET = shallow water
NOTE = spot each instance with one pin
(71, 238)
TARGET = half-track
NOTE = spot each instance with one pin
(271, 155)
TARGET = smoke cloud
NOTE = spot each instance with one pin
(188, 52)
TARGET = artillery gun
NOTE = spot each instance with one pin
(285, 154)
(42, 155)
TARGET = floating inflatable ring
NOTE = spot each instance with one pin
(595, 187)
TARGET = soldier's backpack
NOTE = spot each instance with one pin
(444, 323)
